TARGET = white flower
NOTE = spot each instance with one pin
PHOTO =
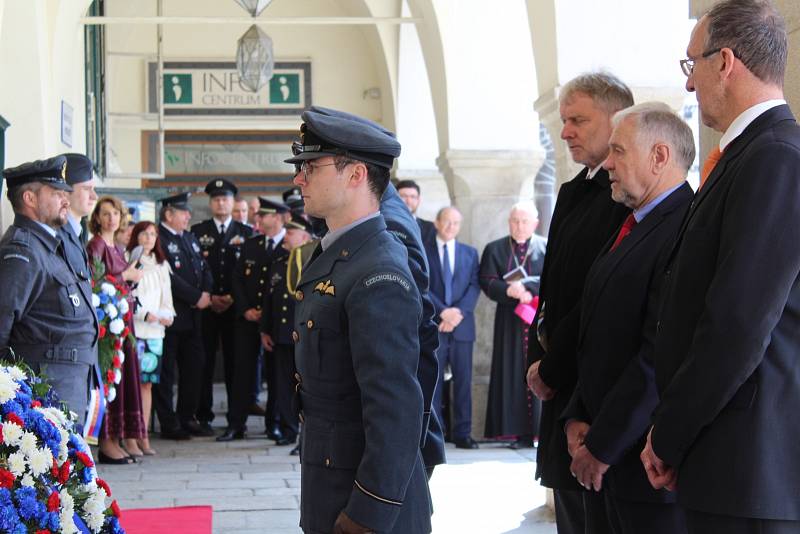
(116, 326)
(41, 461)
(108, 289)
(12, 433)
(67, 511)
(117, 376)
(28, 443)
(16, 373)
(121, 356)
(8, 387)
(112, 393)
(17, 463)
(95, 301)
(111, 310)
(27, 480)
(123, 306)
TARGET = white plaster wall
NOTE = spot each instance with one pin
(345, 62)
(42, 58)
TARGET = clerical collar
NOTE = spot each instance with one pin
(333, 235)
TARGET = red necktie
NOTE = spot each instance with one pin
(711, 161)
(627, 226)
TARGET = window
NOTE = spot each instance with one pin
(94, 38)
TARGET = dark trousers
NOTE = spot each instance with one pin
(217, 328)
(283, 389)
(272, 415)
(580, 512)
(627, 517)
(183, 349)
(705, 523)
(459, 355)
(248, 348)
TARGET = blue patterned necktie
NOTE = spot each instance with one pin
(447, 276)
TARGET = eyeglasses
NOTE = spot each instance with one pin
(308, 168)
(687, 65)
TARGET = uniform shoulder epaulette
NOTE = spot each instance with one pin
(21, 237)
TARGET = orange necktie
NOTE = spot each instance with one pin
(709, 164)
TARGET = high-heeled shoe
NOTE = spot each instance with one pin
(130, 453)
(102, 458)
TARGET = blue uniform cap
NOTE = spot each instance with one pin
(79, 169)
(270, 206)
(180, 202)
(52, 172)
(220, 187)
(327, 132)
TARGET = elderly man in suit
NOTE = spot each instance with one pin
(585, 217)
(455, 291)
(609, 414)
(728, 337)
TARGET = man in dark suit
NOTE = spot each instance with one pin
(585, 217)
(250, 284)
(410, 193)
(455, 291)
(609, 414)
(221, 239)
(727, 343)
(183, 342)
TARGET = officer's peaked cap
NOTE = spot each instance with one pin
(219, 187)
(52, 172)
(79, 169)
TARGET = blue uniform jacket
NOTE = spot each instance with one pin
(357, 349)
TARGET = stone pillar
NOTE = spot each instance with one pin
(484, 184)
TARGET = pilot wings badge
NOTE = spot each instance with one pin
(325, 288)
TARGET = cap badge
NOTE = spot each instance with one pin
(218, 183)
(64, 171)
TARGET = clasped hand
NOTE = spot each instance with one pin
(659, 474)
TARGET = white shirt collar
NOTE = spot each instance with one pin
(744, 120)
(169, 229)
(592, 172)
(450, 244)
(226, 222)
(74, 223)
(277, 237)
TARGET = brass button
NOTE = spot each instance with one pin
(285, 296)
(298, 295)
(297, 377)
(263, 268)
(310, 323)
(259, 293)
(327, 462)
(283, 320)
(295, 336)
(261, 282)
(283, 307)
(344, 253)
(258, 307)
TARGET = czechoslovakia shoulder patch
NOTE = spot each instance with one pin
(387, 277)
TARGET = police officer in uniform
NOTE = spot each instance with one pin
(183, 345)
(82, 200)
(46, 314)
(362, 405)
(250, 285)
(402, 224)
(221, 239)
(294, 199)
(276, 323)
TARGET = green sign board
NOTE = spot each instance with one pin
(177, 88)
(284, 89)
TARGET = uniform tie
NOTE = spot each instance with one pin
(270, 245)
(447, 276)
(627, 226)
(222, 229)
(708, 166)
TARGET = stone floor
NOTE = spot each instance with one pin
(254, 486)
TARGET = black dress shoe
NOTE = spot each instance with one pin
(231, 434)
(295, 451)
(196, 429)
(284, 441)
(103, 459)
(465, 443)
(177, 434)
(521, 443)
(206, 426)
(273, 432)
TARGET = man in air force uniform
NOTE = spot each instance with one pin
(361, 402)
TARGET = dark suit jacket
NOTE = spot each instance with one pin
(466, 288)
(189, 277)
(427, 229)
(728, 341)
(616, 391)
(585, 218)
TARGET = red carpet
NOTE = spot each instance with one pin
(181, 520)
